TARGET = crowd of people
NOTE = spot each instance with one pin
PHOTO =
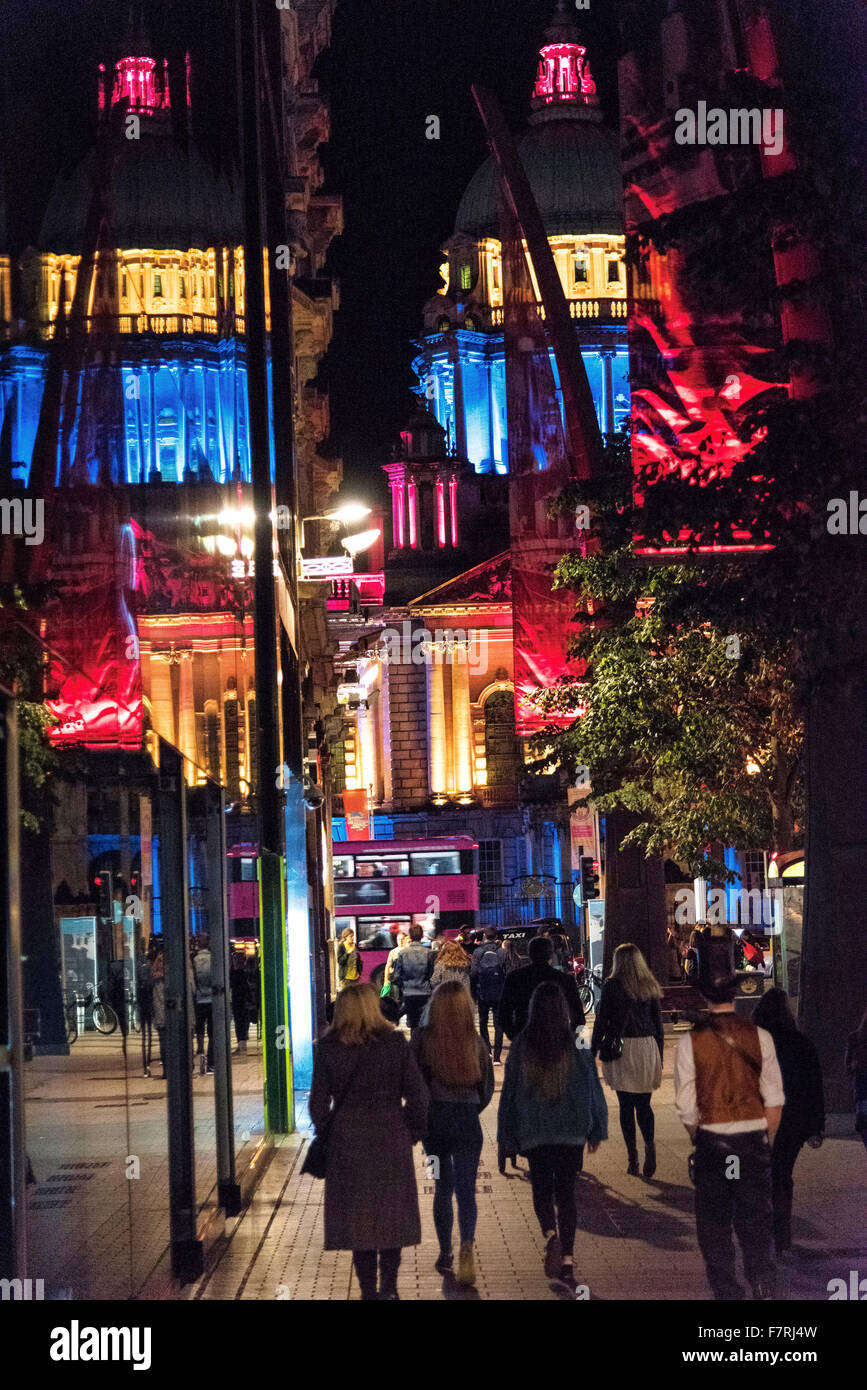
(749, 1093)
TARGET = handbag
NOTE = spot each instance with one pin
(611, 1042)
(316, 1158)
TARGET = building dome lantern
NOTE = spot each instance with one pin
(423, 437)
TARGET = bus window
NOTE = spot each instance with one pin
(248, 870)
(381, 866)
(379, 933)
(343, 867)
(370, 893)
(436, 862)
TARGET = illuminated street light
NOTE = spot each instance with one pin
(362, 541)
(346, 514)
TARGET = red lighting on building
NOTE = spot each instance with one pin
(453, 504)
(564, 76)
(441, 512)
(138, 82)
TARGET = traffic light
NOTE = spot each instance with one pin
(589, 877)
(103, 894)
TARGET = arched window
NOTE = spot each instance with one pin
(501, 744)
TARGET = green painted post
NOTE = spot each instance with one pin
(276, 1035)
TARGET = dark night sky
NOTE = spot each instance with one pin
(392, 63)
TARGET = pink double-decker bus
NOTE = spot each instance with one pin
(382, 886)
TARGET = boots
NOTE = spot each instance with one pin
(466, 1265)
(649, 1160)
(632, 1154)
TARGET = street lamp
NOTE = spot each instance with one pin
(362, 541)
(345, 514)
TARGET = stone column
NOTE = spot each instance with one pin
(462, 729)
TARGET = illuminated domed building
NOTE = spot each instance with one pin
(436, 746)
(573, 167)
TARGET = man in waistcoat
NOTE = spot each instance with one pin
(729, 1095)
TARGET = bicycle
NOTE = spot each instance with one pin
(103, 1015)
(589, 982)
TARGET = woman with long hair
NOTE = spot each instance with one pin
(628, 1028)
(452, 963)
(803, 1115)
(856, 1063)
(460, 1076)
(363, 1072)
(550, 1108)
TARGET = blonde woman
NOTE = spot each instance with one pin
(460, 1076)
(628, 1035)
(363, 1072)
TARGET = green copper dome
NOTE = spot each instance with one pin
(163, 198)
(574, 172)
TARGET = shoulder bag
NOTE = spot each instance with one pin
(316, 1159)
(611, 1042)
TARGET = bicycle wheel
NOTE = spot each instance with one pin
(104, 1018)
(71, 1025)
(585, 994)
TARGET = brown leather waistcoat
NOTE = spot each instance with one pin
(726, 1086)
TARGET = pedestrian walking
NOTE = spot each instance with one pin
(690, 958)
(729, 1095)
(675, 969)
(628, 1036)
(856, 1063)
(158, 977)
(366, 1079)
(400, 940)
(204, 999)
(348, 960)
(521, 984)
(144, 996)
(451, 963)
(239, 993)
(803, 1117)
(412, 974)
(487, 981)
(551, 1106)
(460, 1077)
(514, 960)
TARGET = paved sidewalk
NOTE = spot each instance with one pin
(636, 1238)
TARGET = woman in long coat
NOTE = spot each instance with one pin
(365, 1068)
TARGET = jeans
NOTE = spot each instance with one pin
(204, 1020)
(414, 1006)
(725, 1202)
(635, 1105)
(493, 1008)
(365, 1268)
(454, 1138)
(553, 1171)
(783, 1158)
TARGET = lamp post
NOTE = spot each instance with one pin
(349, 512)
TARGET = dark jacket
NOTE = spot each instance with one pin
(485, 986)
(372, 1134)
(518, 991)
(623, 1017)
(804, 1110)
(413, 968)
(345, 958)
(526, 1121)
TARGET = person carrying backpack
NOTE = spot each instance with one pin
(487, 982)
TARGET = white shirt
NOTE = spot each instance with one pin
(770, 1086)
